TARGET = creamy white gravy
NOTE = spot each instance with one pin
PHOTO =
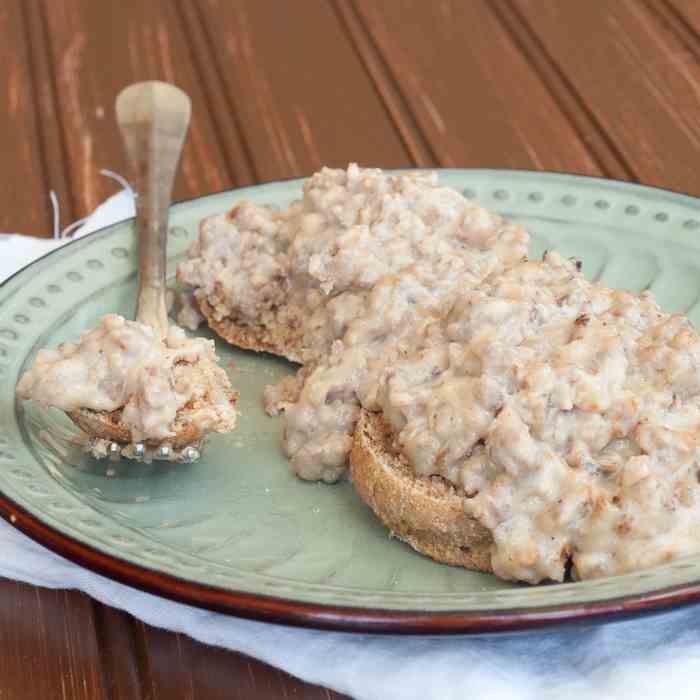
(569, 413)
(124, 365)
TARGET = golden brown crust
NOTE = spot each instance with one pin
(427, 513)
(257, 338)
(108, 426)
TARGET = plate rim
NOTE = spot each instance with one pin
(295, 613)
(275, 609)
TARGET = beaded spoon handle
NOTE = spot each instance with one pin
(153, 118)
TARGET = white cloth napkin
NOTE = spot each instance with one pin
(654, 657)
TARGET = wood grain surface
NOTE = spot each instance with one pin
(23, 191)
(279, 88)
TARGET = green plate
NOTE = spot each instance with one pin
(238, 532)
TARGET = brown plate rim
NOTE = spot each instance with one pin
(273, 609)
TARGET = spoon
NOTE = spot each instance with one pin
(153, 118)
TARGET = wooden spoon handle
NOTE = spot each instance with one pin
(153, 118)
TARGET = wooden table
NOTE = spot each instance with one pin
(280, 87)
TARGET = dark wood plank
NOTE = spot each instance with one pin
(24, 201)
(689, 10)
(476, 97)
(635, 75)
(299, 91)
(395, 102)
(55, 162)
(97, 49)
(222, 106)
(183, 669)
(48, 647)
(121, 659)
(603, 150)
(683, 17)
